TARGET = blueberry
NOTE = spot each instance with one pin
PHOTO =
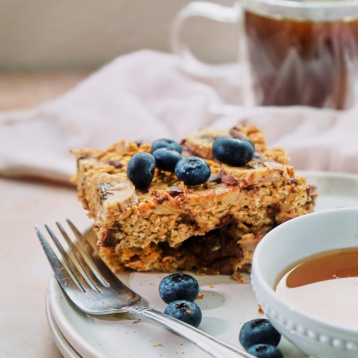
(166, 143)
(259, 331)
(186, 311)
(249, 141)
(140, 170)
(233, 151)
(193, 171)
(166, 159)
(178, 286)
(265, 351)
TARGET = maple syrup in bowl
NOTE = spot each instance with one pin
(324, 285)
(304, 273)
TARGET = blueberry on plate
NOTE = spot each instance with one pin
(233, 151)
(265, 351)
(178, 286)
(140, 170)
(193, 171)
(186, 311)
(166, 143)
(166, 159)
(259, 331)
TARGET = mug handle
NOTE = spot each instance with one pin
(210, 11)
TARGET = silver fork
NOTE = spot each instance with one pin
(94, 289)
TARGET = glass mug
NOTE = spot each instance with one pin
(299, 52)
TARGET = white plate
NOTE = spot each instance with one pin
(62, 344)
(226, 305)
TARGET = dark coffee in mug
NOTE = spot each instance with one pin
(302, 62)
(299, 52)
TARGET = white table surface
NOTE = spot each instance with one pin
(25, 271)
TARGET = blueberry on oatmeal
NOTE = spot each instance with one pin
(166, 159)
(233, 151)
(193, 171)
(247, 140)
(140, 170)
(166, 143)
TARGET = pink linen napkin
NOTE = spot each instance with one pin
(145, 95)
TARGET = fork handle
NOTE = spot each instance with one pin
(214, 346)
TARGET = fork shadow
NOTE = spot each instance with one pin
(214, 326)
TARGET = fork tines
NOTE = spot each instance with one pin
(73, 267)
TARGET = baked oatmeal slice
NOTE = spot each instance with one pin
(159, 223)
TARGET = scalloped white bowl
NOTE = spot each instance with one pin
(287, 244)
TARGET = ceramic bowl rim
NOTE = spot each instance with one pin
(260, 281)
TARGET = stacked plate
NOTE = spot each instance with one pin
(226, 305)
